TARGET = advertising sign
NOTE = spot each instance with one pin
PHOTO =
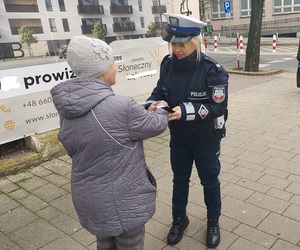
(26, 106)
(138, 65)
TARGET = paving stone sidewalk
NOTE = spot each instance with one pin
(260, 183)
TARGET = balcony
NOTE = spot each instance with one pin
(159, 9)
(124, 26)
(160, 25)
(87, 28)
(90, 9)
(121, 9)
(36, 29)
(21, 8)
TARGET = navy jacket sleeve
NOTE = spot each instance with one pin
(217, 95)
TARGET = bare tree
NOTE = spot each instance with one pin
(204, 5)
(253, 44)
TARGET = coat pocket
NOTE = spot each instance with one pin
(151, 177)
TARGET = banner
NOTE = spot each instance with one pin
(138, 63)
(26, 106)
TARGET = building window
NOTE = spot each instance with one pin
(52, 25)
(89, 2)
(119, 2)
(61, 4)
(140, 4)
(90, 21)
(65, 24)
(48, 5)
(286, 6)
(121, 19)
(155, 3)
(245, 8)
(218, 9)
(142, 22)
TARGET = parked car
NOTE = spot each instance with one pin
(62, 51)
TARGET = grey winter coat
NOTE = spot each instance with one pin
(103, 133)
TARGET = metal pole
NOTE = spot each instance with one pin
(160, 16)
(237, 49)
(229, 26)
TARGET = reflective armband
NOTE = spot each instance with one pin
(190, 111)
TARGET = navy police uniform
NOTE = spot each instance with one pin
(200, 88)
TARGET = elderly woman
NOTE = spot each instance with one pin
(104, 133)
(196, 88)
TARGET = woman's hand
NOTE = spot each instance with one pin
(153, 107)
(176, 115)
(157, 104)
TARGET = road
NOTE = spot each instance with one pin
(283, 57)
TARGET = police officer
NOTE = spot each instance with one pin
(196, 89)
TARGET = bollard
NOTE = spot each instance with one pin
(215, 43)
(274, 43)
(241, 44)
(238, 55)
(205, 44)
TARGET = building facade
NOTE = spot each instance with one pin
(54, 22)
(280, 17)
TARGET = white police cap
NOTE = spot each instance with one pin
(181, 28)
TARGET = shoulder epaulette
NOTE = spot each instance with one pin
(211, 60)
(166, 58)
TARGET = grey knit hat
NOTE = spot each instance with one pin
(89, 56)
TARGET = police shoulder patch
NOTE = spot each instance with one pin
(218, 94)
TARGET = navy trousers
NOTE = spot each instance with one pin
(206, 159)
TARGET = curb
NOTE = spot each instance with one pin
(39, 148)
(260, 73)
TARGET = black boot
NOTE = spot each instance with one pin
(177, 229)
(213, 233)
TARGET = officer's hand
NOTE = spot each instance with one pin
(176, 115)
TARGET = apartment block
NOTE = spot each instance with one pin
(54, 22)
